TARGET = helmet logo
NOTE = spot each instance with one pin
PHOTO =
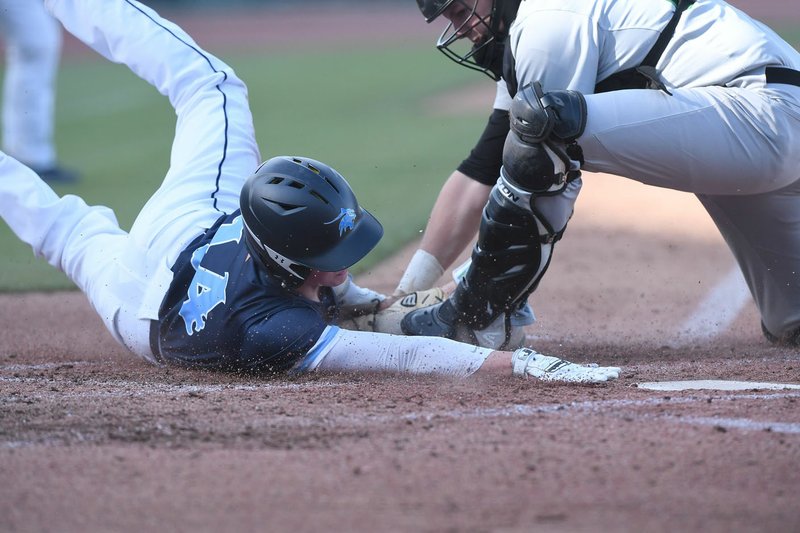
(346, 218)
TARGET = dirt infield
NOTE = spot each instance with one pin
(92, 439)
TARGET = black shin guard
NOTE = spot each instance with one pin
(506, 262)
(540, 159)
(527, 213)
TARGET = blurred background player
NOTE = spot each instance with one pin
(709, 106)
(32, 40)
(223, 271)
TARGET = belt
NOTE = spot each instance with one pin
(784, 75)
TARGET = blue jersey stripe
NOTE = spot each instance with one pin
(318, 351)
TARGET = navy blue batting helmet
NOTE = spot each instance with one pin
(301, 214)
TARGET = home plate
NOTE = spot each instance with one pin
(714, 384)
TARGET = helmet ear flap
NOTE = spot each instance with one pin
(291, 274)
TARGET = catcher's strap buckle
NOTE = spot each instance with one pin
(651, 75)
(552, 238)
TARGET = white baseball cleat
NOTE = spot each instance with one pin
(529, 362)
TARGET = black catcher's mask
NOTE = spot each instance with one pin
(485, 56)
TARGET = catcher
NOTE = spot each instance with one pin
(691, 95)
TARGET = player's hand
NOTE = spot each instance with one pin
(353, 300)
(528, 362)
(388, 320)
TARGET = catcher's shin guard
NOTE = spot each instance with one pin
(511, 254)
(529, 207)
(527, 213)
(513, 251)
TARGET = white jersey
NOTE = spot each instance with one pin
(578, 43)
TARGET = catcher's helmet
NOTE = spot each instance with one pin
(485, 56)
(433, 8)
(300, 215)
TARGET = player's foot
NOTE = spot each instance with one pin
(528, 362)
(56, 174)
(502, 334)
(441, 320)
(434, 321)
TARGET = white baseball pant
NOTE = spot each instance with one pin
(748, 177)
(125, 274)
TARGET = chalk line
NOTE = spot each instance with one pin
(717, 311)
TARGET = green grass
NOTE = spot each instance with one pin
(791, 34)
(369, 123)
(362, 111)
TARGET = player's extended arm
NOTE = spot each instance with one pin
(361, 351)
(452, 226)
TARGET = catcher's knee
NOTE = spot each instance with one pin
(537, 116)
(541, 153)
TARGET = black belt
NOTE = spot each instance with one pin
(782, 75)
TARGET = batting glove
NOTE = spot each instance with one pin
(354, 300)
(388, 320)
(529, 362)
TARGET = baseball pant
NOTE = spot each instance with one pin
(126, 274)
(738, 150)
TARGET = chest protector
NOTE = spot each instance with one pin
(644, 76)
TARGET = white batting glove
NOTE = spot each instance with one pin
(355, 300)
(529, 362)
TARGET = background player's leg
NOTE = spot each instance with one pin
(33, 45)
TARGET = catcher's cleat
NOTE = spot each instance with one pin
(528, 362)
(435, 321)
(441, 320)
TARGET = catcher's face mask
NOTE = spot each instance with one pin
(474, 34)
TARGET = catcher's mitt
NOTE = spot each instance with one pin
(388, 320)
